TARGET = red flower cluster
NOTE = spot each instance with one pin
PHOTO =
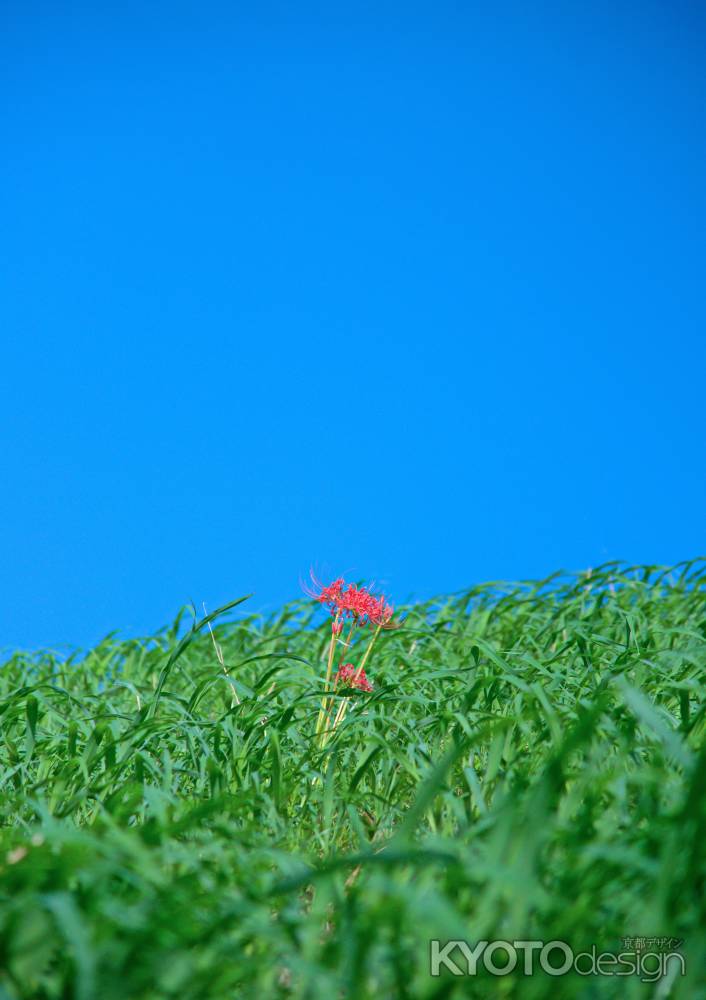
(326, 595)
(350, 676)
(353, 602)
(358, 607)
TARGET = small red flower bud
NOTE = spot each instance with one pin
(350, 676)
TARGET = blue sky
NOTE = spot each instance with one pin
(411, 291)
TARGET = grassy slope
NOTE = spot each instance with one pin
(530, 765)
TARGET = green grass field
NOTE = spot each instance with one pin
(529, 766)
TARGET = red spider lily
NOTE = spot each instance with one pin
(351, 677)
(329, 596)
(356, 602)
(380, 612)
(359, 608)
(353, 602)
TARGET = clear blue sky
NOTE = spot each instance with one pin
(414, 291)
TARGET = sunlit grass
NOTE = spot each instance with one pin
(530, 765)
